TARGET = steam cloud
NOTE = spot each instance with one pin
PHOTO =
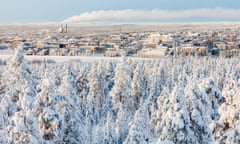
(155, 14)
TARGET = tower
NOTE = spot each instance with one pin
(66, 28)
(61, 29)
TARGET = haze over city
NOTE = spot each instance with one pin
(121, 11)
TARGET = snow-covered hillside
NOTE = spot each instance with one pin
(131, 101)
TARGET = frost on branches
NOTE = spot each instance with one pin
(127, 100)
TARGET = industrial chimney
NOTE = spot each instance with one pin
(61, 30)
(66, 29)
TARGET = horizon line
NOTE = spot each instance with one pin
(116, 22)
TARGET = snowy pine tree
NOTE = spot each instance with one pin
(139, 131)
(121, 90)
(200, 109)
(123, 119)
(176, 126)
(74, 124)
(16, 104)
(109, 127)
(138, 90)
(49, 107)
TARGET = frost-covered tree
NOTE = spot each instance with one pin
(138, 89)
(156, 85)
(123, 119)
(121, 90)
(139, 131)
(74, 124)
(109, 127)
(214, 95)
(95, 98)
(3, 131)
(99, 136)
(23, 128)
(82, 88)
(110, 74)
(49, 109)
(221, 75)
(19, 89)
(200, 109)
(226, 129)
(16, 104)
(68, 83)
(89, 126)
(158, 112)
(176, 125)
(105, 99)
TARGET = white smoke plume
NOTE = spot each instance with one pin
(155, 14)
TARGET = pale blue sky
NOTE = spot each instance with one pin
(59, 10)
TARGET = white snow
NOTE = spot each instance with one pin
(119, 100)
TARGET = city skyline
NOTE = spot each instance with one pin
(107, 10)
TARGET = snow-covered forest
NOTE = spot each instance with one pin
(191, 100)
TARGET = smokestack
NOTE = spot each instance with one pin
(61, 29)
(66, 30)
